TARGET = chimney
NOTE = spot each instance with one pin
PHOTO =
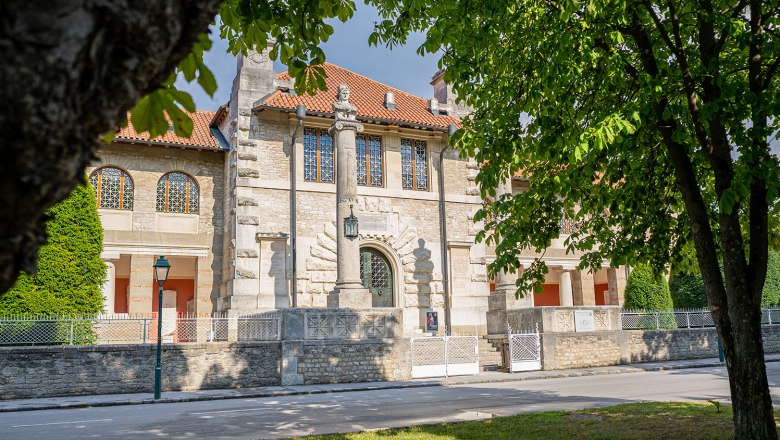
(390, 101)
(444, 94)
(433, 106)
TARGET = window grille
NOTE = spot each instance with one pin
(113, 188)
(369, 160)
(414, 164)
(177, 192)
(318, 155)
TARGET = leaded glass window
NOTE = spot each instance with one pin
(414, 164)
(113, 188)
(177, 192)
(369, 160)
(318, 155)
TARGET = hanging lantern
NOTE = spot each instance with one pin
(351, 225)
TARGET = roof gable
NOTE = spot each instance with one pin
(201, 133)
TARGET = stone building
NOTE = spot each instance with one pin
(220, 206)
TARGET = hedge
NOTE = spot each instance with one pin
(688, 289)
(70, 270)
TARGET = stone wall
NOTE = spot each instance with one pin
(593, 349)
(29, 372)
(333, 361)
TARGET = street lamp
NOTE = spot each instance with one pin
(351, 225)
(161, 269)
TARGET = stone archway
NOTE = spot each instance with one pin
(377, 276)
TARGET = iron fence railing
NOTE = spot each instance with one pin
(671, 319)
(128, 329)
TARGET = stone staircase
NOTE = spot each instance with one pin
(489, 354)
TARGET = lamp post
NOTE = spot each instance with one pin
(161, 268)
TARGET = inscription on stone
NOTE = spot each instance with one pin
(583, 321)
(380, 224)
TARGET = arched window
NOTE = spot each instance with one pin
(177, 192)
(113, 188)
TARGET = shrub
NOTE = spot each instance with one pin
(646, 290)
(687, 290)
(771, 294)
(70, 270)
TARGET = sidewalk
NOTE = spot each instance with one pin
(275, 391)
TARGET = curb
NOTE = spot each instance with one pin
(389, 386)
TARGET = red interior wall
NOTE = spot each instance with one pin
(548, 297)
(120, 295)
(185, 291)
(601, 290)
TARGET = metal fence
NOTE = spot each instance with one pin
(128, 329)
(671, 319)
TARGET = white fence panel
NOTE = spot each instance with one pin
(439, 356)
(462, 355)
(429, 357)
(525, 352)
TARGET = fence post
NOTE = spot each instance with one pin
(446, 354)
(688, 319)
(71, 332)
(769, 315)
(144, 324)
(657, 324)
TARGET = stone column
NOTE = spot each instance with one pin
(616, 279)
(349, 291)
(108, 288)
(583, 288)
(564, 289)
(140, 288)
(503, 298)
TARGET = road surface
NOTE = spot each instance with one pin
(280, 417)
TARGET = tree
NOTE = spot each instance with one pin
(70, 271)
(647, 290)
(71, 71)
(648, 122)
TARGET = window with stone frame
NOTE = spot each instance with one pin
(113, 188)
(177, 192)
(370, 170)
(414, 164)
(318, 155)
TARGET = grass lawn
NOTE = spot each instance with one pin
(657, 420)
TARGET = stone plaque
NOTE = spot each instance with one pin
(583, 321)
(378, 224)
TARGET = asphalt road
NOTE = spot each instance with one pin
(355, 411)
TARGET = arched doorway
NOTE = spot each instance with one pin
(377, 276)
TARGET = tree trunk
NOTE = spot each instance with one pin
(751, 401)
(70, 72)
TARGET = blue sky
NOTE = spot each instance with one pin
(348, 47)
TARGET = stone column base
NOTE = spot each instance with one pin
(350, 298)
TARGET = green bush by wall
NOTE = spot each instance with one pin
(688, 289)
(70, 270)
(646, 290)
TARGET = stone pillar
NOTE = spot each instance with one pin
(616, 279)
(565, 289)
(349, 291)
(583, 288)
(204, 284)
(141, 285)
(503, 298)
(108, 288)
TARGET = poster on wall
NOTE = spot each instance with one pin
(431, 322)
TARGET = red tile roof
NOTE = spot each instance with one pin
(368, 95)
(201, 133)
